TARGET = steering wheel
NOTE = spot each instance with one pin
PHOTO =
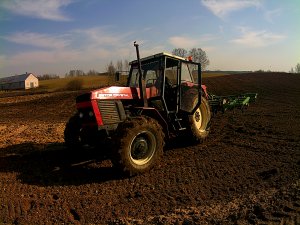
(150, 82)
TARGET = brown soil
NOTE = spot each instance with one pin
(246, 172)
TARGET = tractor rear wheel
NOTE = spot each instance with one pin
(139, 144)
(199, 122)
(72, 133)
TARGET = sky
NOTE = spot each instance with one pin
(56, 36)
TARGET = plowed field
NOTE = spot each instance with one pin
(246, 172)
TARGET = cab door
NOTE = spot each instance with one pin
(171, 84)
(190, 86)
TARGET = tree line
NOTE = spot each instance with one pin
(71, 73)
(197, 54)
(79, 73)
(121, 66)
(48, 77)
(296, 69)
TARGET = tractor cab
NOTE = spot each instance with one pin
(169, 81)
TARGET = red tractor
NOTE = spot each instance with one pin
(163, 97)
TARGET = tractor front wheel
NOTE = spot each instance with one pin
(139, 144)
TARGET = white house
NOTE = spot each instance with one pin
(24, 81)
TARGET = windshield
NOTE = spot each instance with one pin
(151, 71)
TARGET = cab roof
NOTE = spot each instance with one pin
(160, 55)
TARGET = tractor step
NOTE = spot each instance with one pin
(177, 124)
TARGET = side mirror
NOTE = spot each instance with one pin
(117, 76)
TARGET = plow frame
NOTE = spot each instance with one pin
(230, 102)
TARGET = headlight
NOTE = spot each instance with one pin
(91, 113)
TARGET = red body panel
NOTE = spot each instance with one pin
(83, 105)
(91, 104)
(115, 93)
(120, 93)
(97, 113)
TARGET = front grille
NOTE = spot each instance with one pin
(109, 112)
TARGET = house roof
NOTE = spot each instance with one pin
(15, 79)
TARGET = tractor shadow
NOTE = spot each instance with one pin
(179, 142)
(54, 165)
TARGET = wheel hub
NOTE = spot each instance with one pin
(197, 116)
(143, 148)
(139, 148)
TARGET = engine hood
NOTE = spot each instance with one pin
(115, 92)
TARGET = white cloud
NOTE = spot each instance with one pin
(183, 42)
(86, 49)
(262, 38)
(37, 40)
(222, 8)
(100, 41)
(3, 61)
(99, 36)
(271, 14)
(55, 61)
(43, 9)
(187, 42)
(45, 56)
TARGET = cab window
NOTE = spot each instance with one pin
(186, 73)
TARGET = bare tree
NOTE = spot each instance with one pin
(48, 77)
(199, 56)
(75, 73)
(92, 73)
(126, 65)
(111, 69)
(179, 52)
(297, 68)
(119, 65)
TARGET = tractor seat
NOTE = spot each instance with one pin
(151, 91)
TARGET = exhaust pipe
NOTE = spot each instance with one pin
(142, 83)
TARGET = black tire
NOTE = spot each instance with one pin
(72, 133)
(199, 122)
(139, 145)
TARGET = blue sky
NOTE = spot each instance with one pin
(55, 36)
